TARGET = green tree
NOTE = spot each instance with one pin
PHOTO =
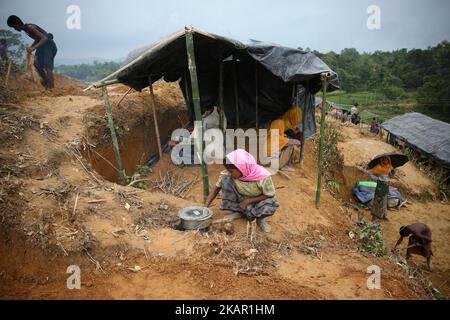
(16, 46)
(434, 95)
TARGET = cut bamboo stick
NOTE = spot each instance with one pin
(304, 114)
(155, 119)
(114, 137)
(325, 77)
(123, 97)
(256, 96)
(222, 111)
(236, 92)
(8, 72)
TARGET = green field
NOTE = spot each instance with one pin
(362, 98)
(371, 104)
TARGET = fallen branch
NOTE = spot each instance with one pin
(103, 158)
(284, 174)
(97, 264)
(72, 218)
(96, 201)
(84, 167)
(137, 181)
(62, 248)
(172, 183)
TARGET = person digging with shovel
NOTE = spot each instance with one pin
(43, 44)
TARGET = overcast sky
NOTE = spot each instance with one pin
(110, 29)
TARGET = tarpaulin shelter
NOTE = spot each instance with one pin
(252, 83)
(427, 135)
(277, 67)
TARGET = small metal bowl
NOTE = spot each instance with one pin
(195, 218)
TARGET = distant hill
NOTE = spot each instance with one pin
(77, 61)
(88, 72)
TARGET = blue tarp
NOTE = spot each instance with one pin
(366, 194)
(428, 135)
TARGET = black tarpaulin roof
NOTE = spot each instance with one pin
(276, 68)
(426, 134)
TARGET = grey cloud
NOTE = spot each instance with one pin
(110, 29)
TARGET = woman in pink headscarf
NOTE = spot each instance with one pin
(247, 189)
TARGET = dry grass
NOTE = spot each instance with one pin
(174, 183)
(258, 257)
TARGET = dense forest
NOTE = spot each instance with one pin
(422, 74)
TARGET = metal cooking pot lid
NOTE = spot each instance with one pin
(195, 213)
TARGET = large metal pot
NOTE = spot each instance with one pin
(195, 218)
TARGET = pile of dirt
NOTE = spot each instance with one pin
(26, 88)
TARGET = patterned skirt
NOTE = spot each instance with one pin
(231, 199)
(419, 246)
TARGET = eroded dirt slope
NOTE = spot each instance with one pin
(57, 211)
(358, 148)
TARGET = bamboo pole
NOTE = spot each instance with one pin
(196, 101)
(186, 90)
(293, 92)
(103, 84)
(256, 96)
(115, 143)
(123, 97)
(222, 111)
(304, 114)
(155, 119)
(8, 72)
(236, 94)
(325, 77)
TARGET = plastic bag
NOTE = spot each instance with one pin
(213, 120)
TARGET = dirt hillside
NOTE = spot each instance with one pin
(60, 206)
(357, 149)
